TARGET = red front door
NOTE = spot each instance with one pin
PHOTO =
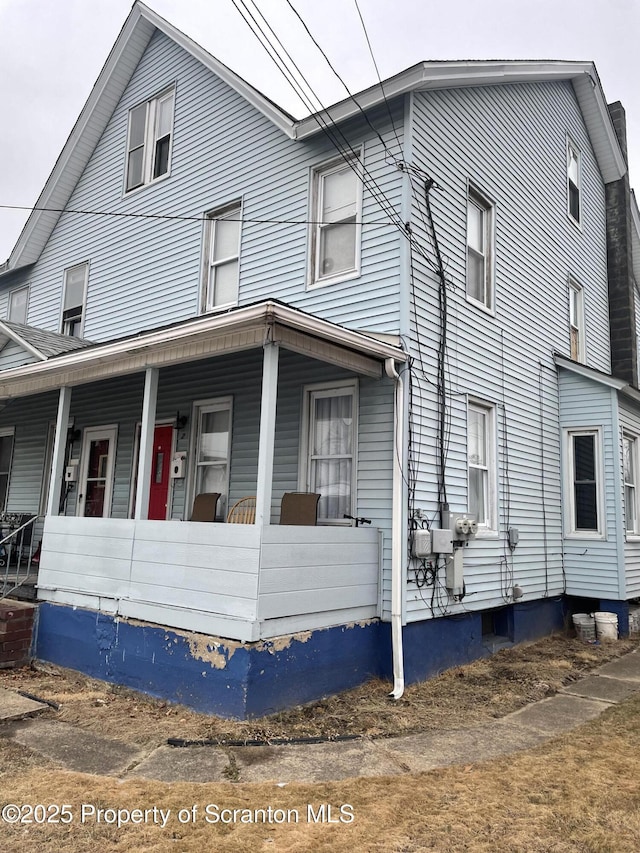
(160, 466)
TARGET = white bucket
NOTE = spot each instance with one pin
(606, 625)
(585, 626)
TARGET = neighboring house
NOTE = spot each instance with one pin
(414, 327)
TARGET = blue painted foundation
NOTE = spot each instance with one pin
(253, 679)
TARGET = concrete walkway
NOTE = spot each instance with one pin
(78, 750)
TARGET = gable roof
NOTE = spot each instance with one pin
(143, 22)
(38, 342)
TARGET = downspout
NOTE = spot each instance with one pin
(397, 543)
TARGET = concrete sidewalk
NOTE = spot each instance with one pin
(78, 750)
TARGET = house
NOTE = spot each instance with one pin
(419, 305)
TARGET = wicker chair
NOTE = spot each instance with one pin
(299, 508)
(204, 506)
(243, 511)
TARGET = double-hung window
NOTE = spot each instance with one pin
(330, 438)
(18, 304)
(221, 258)
(212, 445)
(336, 213)
(576, 321)
(480, 219)
(73, 300)
(149, 140)
(573, 182)
(630, 450)
(585, 505)
(482, 493)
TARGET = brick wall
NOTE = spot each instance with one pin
(16, 632)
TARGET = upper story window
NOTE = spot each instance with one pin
(576, 321)
(221, 258)
(482, 492)
(573, 181)
(149, 140)
(335, 214)
(480, 219)
(630, 449)
(18, 305)
(585, 505)
(73, 301)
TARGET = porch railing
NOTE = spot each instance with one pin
(19, 554)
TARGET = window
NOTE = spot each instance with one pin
(482, 493)
(75, 287)
(329, 445)
(573, 182)
(576, 321)
(149, 140)
(336, 215)
(6, 456)
(18, 304)
(221, 258)
(585, 478)
(212, 441)
(630, 449)
(479, 250)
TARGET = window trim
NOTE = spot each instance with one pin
(328, 389)
(482, 201)
(489, 526)
(24, 287)
(197, 408)
(63, 321)
(571, 532)
(208, 243)
(149, 144)
(576, 288)
(634, 534)
(571, 147)
(316, 176)
(4, 433)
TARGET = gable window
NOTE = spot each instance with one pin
(149, 140)
(330, 438)
(584, 455)
(75, 290)
(18, 304)
(336, 213)
(573, 182)
(6, 456)
(212, 443)
(576, 321)
(480, 217)
(630, 449)
(221, 258)
(482, 493)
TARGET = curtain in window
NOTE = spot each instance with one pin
(332, 455)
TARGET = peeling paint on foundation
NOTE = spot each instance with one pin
(216, 652)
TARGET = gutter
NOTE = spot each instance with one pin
(397, 545)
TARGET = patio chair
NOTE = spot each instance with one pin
(204, 506)
(299, 508)
(243, 511)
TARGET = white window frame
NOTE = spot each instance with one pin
(151, 138)
(487, 526)
(65, 322)
(229, 211)
(12, 295)
(576, 320)
(634, 531)
(481, 202)
(305, 477)
(199, 407)
(5, 432)
(571, 530)
(572, 149)
(318, 174)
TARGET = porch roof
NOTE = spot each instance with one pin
(204, 337)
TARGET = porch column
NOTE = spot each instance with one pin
(59, 449)
(267, 433)
(146, 442)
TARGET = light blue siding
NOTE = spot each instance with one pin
(629, 424)
(14, 355)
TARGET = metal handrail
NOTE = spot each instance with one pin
(13, 549)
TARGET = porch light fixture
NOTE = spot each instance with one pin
(181, 420)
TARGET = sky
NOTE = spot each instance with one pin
(53, 50)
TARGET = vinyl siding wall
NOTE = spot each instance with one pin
(630, 425)
(146, 272)
(510, 143)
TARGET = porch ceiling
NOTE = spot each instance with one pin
(205, 337)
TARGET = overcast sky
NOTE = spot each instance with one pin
(53, 50)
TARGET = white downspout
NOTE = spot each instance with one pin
(397, 539)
